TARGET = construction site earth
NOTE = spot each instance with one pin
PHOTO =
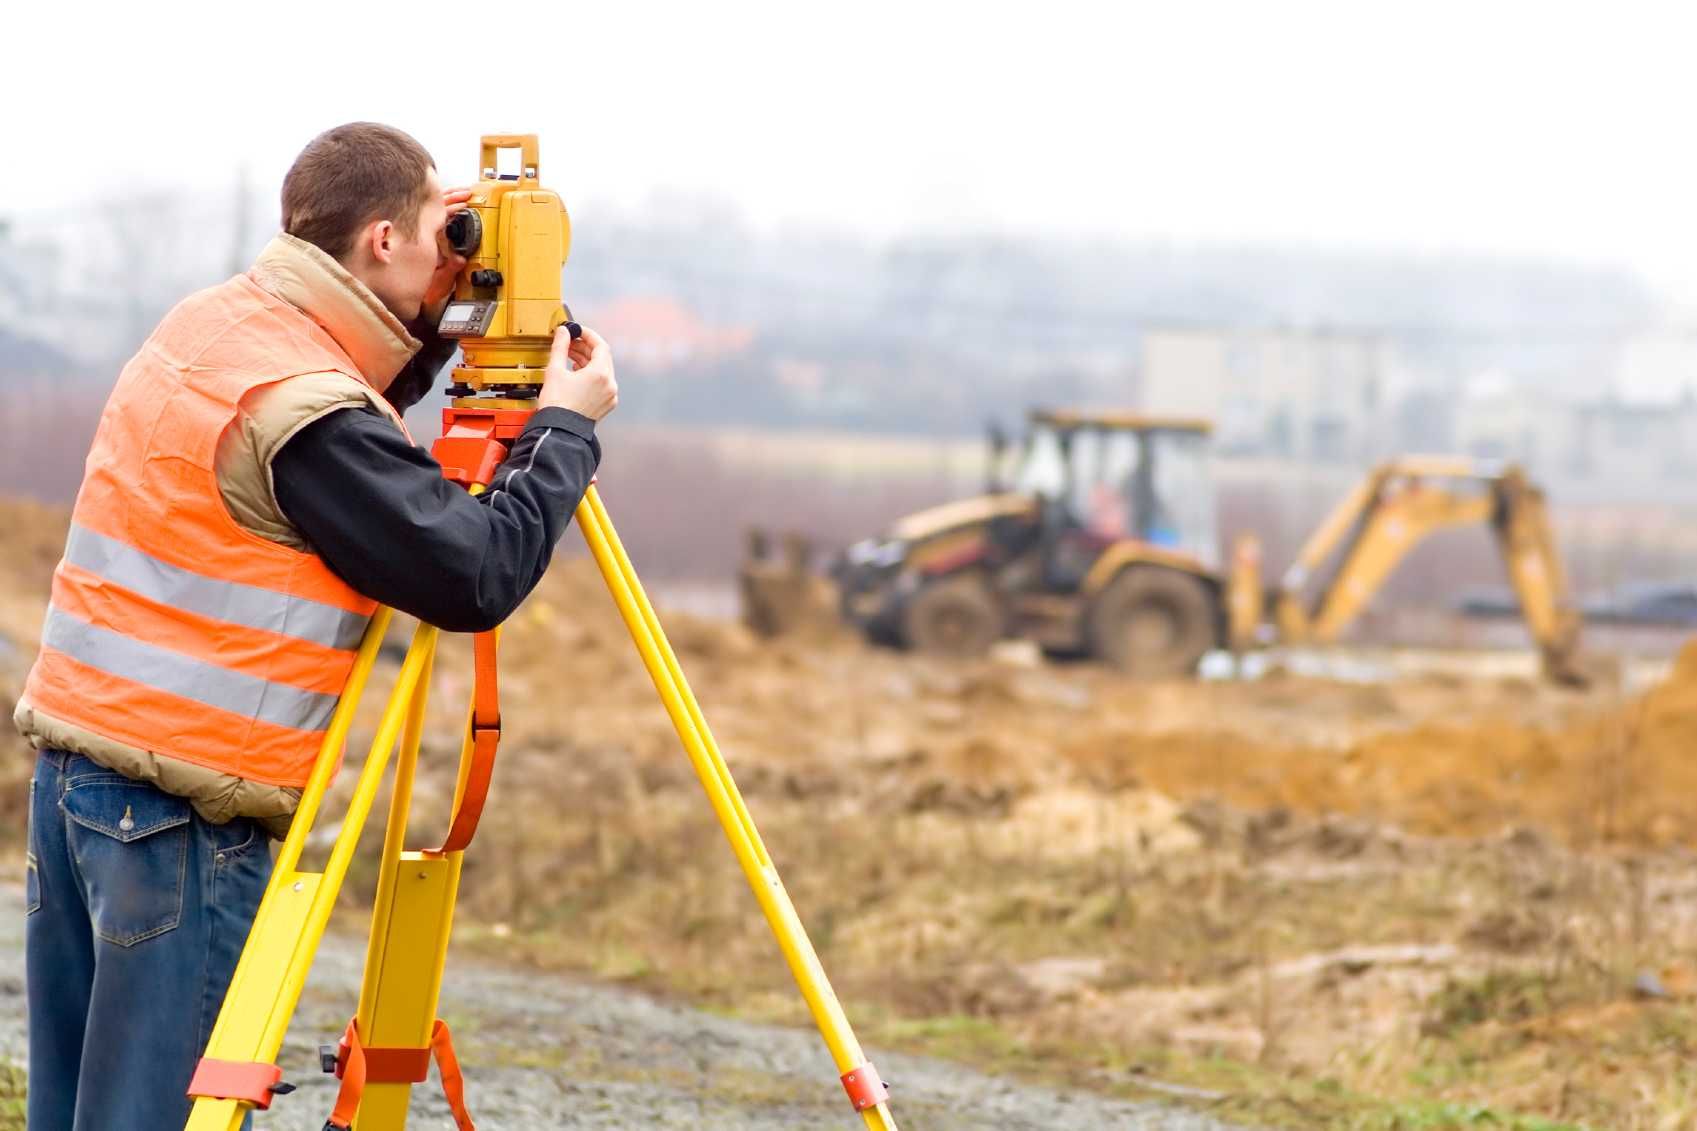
(1416, 892)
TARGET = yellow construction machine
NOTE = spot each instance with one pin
(1103, 542)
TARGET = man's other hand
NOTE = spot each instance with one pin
(580, 375)
(449, 263)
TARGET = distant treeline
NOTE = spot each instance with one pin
(922, 333)
(933, 333)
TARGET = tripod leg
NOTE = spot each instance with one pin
(286, 932)
(408, 948)
(865, 1090)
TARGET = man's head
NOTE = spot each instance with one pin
(368, 196)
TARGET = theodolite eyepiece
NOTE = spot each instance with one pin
(465, 232)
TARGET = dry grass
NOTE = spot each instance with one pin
(1388, 966)
(1428, 904)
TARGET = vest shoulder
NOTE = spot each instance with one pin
(281, 409)
(239, 327)
(269, 417)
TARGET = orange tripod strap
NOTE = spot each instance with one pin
(485, 737)
(358, 1066)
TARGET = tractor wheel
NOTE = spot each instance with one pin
(955, 616)
(1153, 623)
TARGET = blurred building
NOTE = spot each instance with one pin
(1635, 443)
(1633, 429)
(1313, 396)
(1642, 426)
(659, 332)
(1656, 369)
(1499, 418)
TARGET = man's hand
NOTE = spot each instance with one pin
(449, 263)
(590, 388)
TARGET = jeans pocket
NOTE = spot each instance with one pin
(130, 843)
(236, 837)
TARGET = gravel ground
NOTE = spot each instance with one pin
(548, 1051)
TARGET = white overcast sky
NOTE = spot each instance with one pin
(1560, 130)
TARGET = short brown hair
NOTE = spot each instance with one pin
(349, 176)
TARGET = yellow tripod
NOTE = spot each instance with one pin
(395, 1029)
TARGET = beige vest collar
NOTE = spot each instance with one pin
(312, 282)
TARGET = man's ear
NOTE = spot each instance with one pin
(382, 236)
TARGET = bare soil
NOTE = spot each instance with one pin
(1437, 901)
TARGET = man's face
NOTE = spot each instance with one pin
(412, 260)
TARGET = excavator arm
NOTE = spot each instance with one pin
(1397, 507)
(1523, 530)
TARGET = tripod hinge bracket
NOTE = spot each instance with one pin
(247, 1081)
(864, 1087)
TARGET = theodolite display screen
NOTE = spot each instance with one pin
(466, 319)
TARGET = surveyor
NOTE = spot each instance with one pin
(250, 497)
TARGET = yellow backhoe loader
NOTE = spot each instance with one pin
(1401, 502)
(1103, 543)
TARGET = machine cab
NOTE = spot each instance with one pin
(1107, 478)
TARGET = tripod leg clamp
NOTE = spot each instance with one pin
(237, 1080)
(864, 1087)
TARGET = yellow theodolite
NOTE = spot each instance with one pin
(515, 236)
(505, 310)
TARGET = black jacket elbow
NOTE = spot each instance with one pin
(479, 620)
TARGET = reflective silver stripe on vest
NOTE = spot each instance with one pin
(128, 658)
(231, 601)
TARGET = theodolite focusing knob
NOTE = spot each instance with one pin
(485, 277)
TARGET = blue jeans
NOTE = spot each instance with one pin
(137, 912)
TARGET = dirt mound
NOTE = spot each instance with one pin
(1620, 774)
(1605, 771)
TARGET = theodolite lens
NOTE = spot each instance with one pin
(464, 232)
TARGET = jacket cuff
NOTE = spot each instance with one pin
(564, 419)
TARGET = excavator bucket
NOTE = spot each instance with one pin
(779, 592)
(1561, 661)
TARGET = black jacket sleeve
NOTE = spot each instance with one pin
(379, 513)
(419, 374)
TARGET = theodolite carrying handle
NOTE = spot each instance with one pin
(530, 161)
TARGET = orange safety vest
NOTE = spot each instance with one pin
(171, 628)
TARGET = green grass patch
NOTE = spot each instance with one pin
(12, 1092)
